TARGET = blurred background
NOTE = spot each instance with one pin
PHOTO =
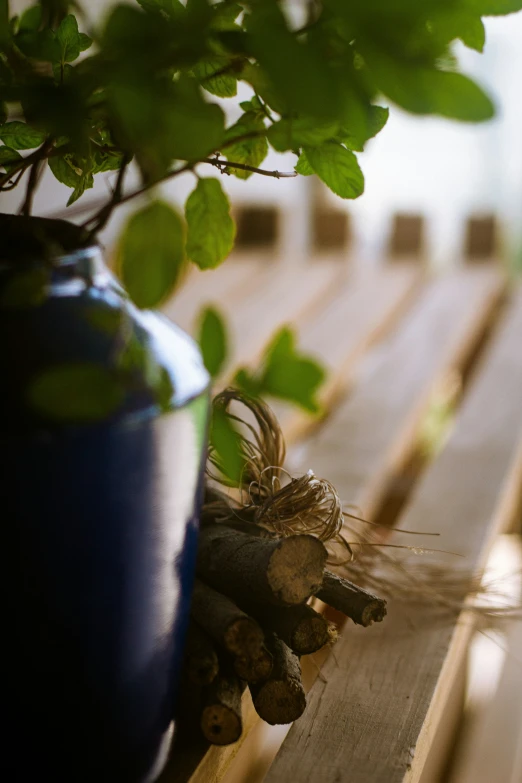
(437, 190)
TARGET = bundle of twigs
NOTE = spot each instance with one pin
(262, 556)
(264, 546)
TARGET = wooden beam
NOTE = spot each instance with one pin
(283, 296)
(229, 283)
(373, 718)
(492, 744)
(448, 319)
(364, 309)
(370, 436)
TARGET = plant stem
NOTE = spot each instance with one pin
(35, 174)
(40, 154)
(101, 218)
(226, 164)
(22, 166)
(123, 199)
(32, 182)
(12, 185)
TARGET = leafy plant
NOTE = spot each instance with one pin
(147, 87)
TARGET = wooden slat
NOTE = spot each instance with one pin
(226, 284)
(374, 717)
(379, 427)
(492, 749)
(367, 438)
(364, 308)
(459, 307)
(285, 296)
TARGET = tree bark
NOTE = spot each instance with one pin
(201, 661)
(362, 607)
(221, 720)
(284, 571)
(280, 698)
(225, 622)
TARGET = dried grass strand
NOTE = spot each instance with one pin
(276, 503)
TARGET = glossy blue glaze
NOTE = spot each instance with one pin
(100, 533)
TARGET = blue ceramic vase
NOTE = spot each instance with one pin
(99, 512)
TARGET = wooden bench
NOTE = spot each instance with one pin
(387, 701)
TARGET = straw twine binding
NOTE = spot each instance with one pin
(277, 504)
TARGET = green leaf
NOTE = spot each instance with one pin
(338, 168)
(9, 158)
(64, 171)
(253, 105)
(167, 8)
(290, 375)
(474, 34)
(224, 85)
(25, 289)
(494, 7)
(85, 182)
(212, 338)
(21, 136)
(40, 44)
(248, 381)
(31, 19)
(376, 120)
(162, 121)
(75, 173)
(225, 15)
(76, 392)
(84, 42)
(150, 254)
(429, 91)
(452, 23)
(259, 81)
(251, 151)
(63, 73)
(225, 442)
(70, 41)
(378, 117)
(297, 70)
(303, 165)
(281, 346)
(106, 161)
(211, 230)
(290, 134)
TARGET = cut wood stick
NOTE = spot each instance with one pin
(303, 629)
(282, 571)
(231, 628)
(358, 604)
(281, 698)
(221, 721)
(201, 661)
(254, 668)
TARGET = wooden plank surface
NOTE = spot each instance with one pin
(471, 299)
(224, 285)
(287, 296)
(373, 717)
(368, 437)
(492, 748)
(365, 307)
